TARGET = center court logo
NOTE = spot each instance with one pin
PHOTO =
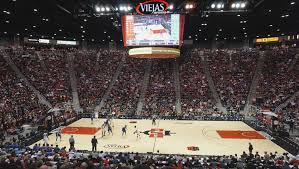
(157, 133)
(116, 146)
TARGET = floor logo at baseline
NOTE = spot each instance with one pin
(116, 146)
(157, 133)
(192, 148)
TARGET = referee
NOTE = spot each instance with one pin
(94, 143)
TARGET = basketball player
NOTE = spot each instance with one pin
(91, 118)
(124, 130)
(106, 123)
(154, 121)
(103, 129)
(110, 129)
(137, 132)
(58, 135)
(46, 139)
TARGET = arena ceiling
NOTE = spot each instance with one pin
(78, 19)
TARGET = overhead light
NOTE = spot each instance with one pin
(170, 7)
(18, 34)
(213, 6)
(82, 36)
(98, 9)
(243, 5)
(60, 30)
(35, 10)
(5, 32)
(219, 6)
(238, 5)
(189, 6)
(107, 9)
(54, 34)
(34, 26)
(7, 21)
(81, 27)
(293, 3)
(85, 20)
(7, 12)
(83, 31)
(26, 29)
(233, 5)
(116, 9)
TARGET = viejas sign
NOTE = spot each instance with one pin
(152, 7)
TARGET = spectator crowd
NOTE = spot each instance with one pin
(12, 156)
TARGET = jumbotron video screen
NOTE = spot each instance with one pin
(152, 30)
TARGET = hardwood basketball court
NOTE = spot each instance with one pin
(168, 137)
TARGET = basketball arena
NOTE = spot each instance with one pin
(149, 84)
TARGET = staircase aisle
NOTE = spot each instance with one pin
(255, 81)
(144, 86)
(212, 85)
(176, 76)
(20, 75)
(284, 104)
(99, 107)
(73, 80)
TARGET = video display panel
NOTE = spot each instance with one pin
(152, 30)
